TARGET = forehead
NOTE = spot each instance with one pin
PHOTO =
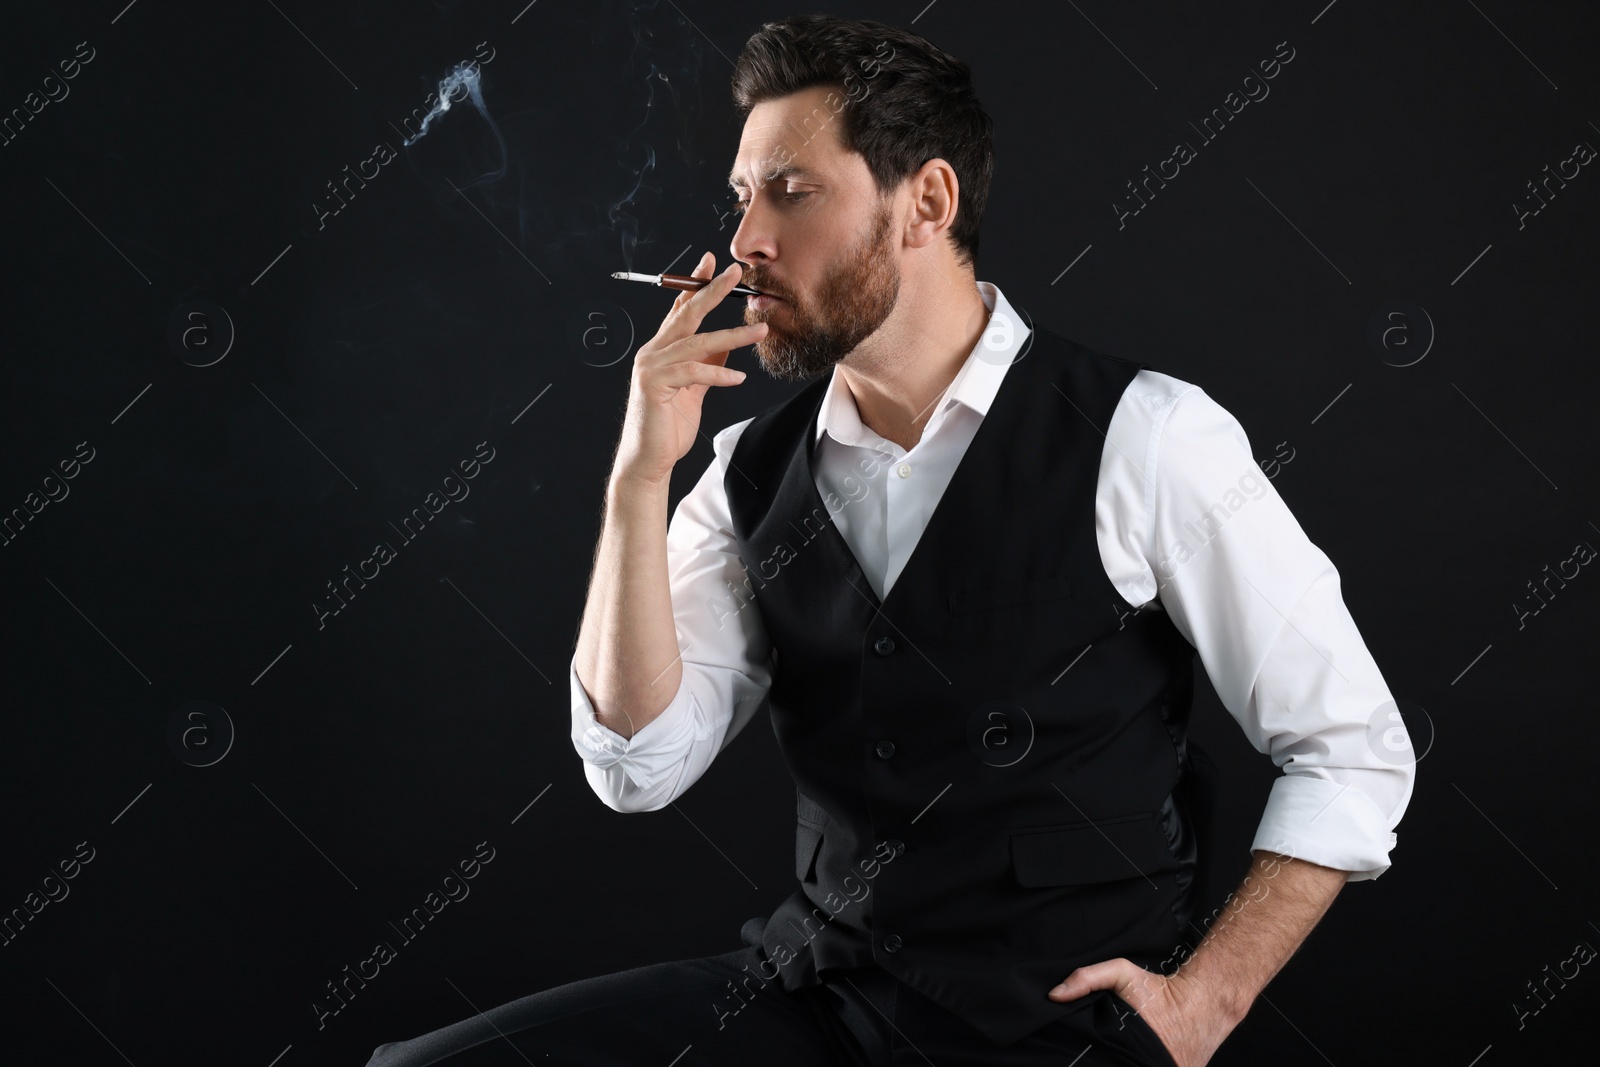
(795, 136)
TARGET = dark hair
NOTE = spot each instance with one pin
(908, 102)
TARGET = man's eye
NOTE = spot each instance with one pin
(739, 206)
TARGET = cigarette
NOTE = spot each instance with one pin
(682, 282)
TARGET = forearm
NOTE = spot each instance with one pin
(1259, 928)
(627, 655)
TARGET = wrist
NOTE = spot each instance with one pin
(1217, 995)
(631, 482)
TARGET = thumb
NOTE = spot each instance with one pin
(1086, 980)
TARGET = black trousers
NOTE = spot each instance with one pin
(711, 1012)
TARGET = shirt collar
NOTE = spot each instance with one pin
(974, 385)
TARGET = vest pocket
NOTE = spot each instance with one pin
(1008, 595)
(807, 842)
(1099, 850)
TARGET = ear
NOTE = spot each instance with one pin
(935, 196)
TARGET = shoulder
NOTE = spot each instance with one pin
(1153, 392)
(774, 424)
(1146, 407)
(1160, 408)
(727, 438)
(1145, 392)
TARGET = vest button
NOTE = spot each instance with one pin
(896, 845)
(884, 645)
(892, 943)
(885, 749)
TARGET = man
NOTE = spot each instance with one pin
(976, 647)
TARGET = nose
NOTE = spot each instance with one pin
(753, 243)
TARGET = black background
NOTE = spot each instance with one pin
(463, 297)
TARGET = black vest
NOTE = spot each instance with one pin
(986, 759)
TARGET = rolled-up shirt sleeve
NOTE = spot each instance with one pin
(725, 655)
(1262, 606)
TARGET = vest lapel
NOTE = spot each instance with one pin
(959, 495)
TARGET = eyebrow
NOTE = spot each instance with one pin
(787, 170)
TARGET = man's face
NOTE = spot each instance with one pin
(814, 233)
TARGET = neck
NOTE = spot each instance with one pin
(912, 359)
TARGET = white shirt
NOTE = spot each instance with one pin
(1259, 602)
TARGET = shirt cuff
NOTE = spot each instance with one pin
(654, 750)
(1328, 823)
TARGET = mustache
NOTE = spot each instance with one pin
(757, 281)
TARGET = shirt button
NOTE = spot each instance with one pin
(883, 645)
(904, 470)
(885, 749)
(892, 943)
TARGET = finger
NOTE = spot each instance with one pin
(703, 269)
(704, 299)
(1103, 975)
(687, 372)
(685, 319)
(714, 345)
